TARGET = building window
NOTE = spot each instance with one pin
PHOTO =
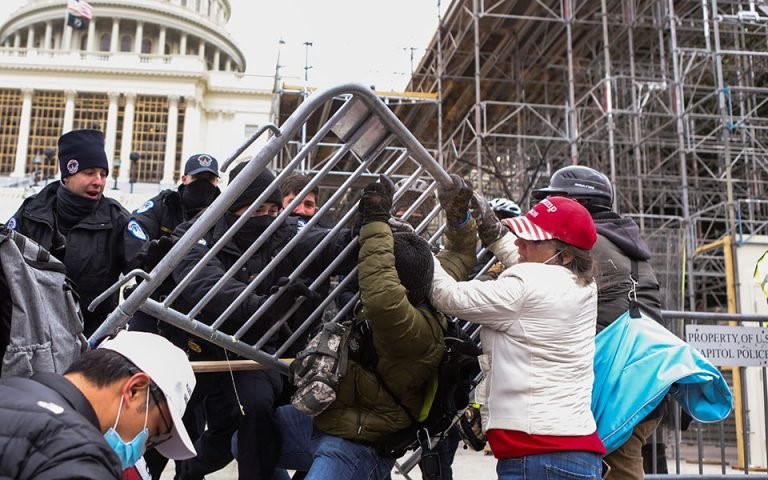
(91, 111)
(10, 113)
(149, 138)
(45, 128)
(146, 46)
(105, 42)
(126, 43)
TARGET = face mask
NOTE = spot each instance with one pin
(128, 452)
(251, 230)
(197, 196)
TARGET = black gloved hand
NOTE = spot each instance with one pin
(293, 290)
(489, 227)
(455, 199)
(156, 250)
(376, 201)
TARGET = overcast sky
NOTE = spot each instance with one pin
(367, 41)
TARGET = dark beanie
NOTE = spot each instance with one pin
(414, 264)
(81, 149)
(256, 188)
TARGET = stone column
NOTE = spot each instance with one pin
(48, 36)
(127, 143)
(183, 44)
(169, 164)
(22, 143)
(216, 60)
(69, 111)
(91, 35)
(191, 142)
(110, 134)
(228, 65)
(161, 42)
(201, 50)
(17, 40)
(30, 38)
(67, 40)
(114, 43)
(139, 37)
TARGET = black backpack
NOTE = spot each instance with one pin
(457, 376)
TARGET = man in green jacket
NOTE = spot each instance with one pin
(395, 273)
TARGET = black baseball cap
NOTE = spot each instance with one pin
(201, 162)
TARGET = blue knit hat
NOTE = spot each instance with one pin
(81, 149)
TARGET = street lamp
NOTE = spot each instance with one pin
(49, 154)
(132, 178)
(37, 161)
(115, 172)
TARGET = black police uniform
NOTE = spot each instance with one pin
(93, 250)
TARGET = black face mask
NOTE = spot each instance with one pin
(252, 229)
(197, 196)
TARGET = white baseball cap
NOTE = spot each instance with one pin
(167, 366)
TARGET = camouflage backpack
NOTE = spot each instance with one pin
(318, 369)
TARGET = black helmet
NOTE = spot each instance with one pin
(580, 183)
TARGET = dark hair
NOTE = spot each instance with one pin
(296, 183)
(582, 265)
(103, 367)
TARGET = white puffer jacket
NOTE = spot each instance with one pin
(538, 343)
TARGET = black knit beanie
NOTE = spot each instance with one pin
(257, 186)
(81, 149)
(414, 264)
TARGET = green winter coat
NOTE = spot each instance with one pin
(408, 340)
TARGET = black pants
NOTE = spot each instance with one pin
(257, 440)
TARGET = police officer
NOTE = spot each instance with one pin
(160, 215)
(243, 402)
(157, 218)
(79, 225)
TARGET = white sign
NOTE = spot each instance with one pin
(730, 346)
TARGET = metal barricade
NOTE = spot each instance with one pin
(364, 132)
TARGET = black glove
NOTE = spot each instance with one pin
(489, 227)
(293, 290)
(156, 250)
(455, 199)
(376, 201)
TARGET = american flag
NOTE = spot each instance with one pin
(80, 8)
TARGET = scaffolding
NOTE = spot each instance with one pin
(667, 97)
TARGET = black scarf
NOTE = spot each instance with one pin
(252, 229)
(71, 208)
(196, 196)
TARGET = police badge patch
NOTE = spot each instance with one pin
(73, 166)
(148, 205)
(136, 230)
(204, 160)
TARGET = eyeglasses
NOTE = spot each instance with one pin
(160, 439)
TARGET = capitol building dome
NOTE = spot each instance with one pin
(162, 78)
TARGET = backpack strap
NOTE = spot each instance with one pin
(634, 276)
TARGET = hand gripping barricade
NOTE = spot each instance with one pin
(360, 140)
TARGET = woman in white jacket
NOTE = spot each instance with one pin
(538, 335)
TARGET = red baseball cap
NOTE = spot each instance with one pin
(556, 217)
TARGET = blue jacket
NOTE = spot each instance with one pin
(637, 361)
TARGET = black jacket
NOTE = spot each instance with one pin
(160, 215)
(93, 250)
(618, 244)
(48, 430)
(227, 257)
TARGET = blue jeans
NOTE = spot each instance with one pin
(342, 459)
(551, 466)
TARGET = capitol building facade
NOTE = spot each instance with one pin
(162, 78)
